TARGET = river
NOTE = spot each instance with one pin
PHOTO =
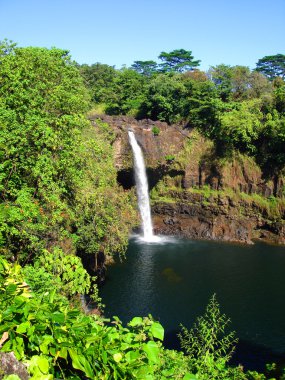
(174, 280)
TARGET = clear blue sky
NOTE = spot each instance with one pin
(234, 32)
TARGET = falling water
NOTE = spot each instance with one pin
(142, 190)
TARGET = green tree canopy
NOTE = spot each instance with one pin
(128, 93)
(145, 67)
(99, 79)
(42, 106)
(178, 60)
(165, 99)
(272, 66)
(239, 82)
(49, 153)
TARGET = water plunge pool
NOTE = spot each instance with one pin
(174, 280)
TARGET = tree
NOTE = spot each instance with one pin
(99, 79)
(222, 75)
(239, 128)
(239, 82)
(147, 68)
(42, 106)
(56, 169)
(166, 98)
(128, 93)
(178, 60)
(272, 66)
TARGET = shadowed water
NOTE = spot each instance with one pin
(174, 281)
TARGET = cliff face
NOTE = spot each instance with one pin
(178, 161)
(222, 218)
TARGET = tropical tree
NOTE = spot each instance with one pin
(272, 66)
(165, 99)
(145, 67)
(178, 60)
(239, 82)
(99, 79)
(42, 106)
(55, 167)
(222, 75)
(128, 93)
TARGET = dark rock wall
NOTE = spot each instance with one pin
(220, 219)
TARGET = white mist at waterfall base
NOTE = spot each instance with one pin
(142, 192)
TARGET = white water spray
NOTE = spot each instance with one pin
(142, 190)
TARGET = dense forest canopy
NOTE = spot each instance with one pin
(236, 107)
(55, 169)
(60, 202)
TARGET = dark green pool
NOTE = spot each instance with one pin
(174, 281)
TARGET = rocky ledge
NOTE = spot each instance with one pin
(220, 219)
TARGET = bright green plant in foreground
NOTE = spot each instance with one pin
(209, 347)
(57, 341)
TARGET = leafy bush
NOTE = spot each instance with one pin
(208, 346)
(169, 158)
(56, 341)
(155, 130)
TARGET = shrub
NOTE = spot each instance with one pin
(155, 131)
(208, 346)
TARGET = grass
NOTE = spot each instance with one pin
(97, 109)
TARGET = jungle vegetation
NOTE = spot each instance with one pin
(238, 108)
(60, 202)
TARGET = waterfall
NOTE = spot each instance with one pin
(142, 190)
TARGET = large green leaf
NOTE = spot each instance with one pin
(136, 321)
(58, 317)
(157, 330)
(43, 365)
(152, 351)
(190, 376)
(81, 363)
(132, 356)
(23, 327)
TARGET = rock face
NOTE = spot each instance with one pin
(9, 365)
(221, 219)
(179, 158)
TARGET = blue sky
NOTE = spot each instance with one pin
(121, 32)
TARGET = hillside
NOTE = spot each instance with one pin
(194, 192)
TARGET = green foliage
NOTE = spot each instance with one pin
(239, 83)
(208, 346)
(178, 60)
(103, 216)
(202, 105)
(240, 127)
(155, 130)
(165, 98)
(55, 341)
(272, 66)
(56, 170)
(169, 158)
(147, 68)
(128, 93)
(271, 141)
(230, 105)
(99, 79)
(42, 100)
